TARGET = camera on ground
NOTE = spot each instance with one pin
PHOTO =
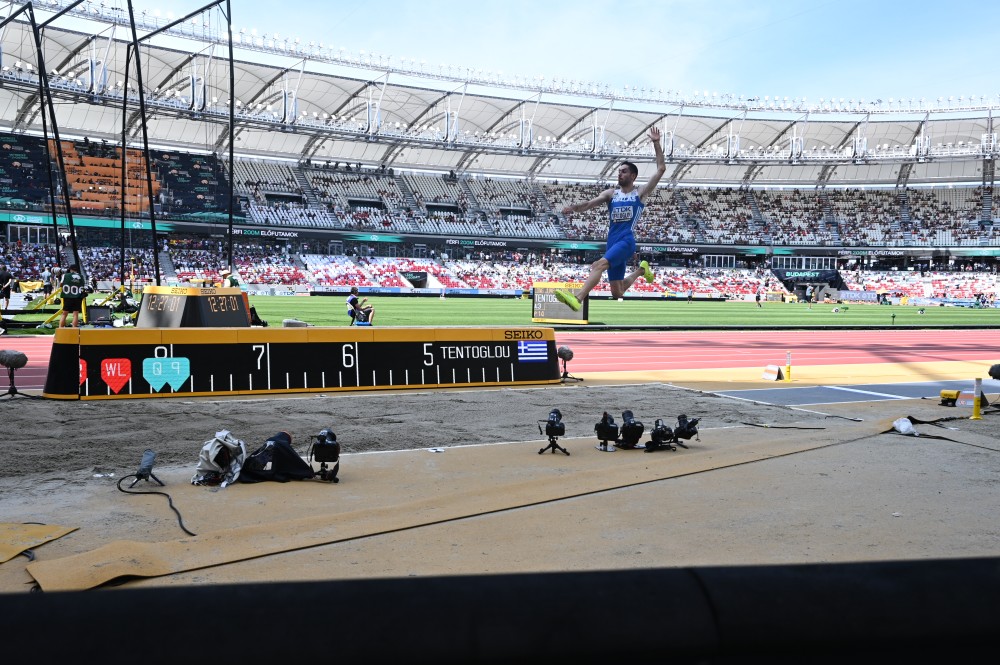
(606, 430)
(326, 450)
(554, 426)
(631, 431)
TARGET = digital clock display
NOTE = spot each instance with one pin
(223, 311)
(183, 307)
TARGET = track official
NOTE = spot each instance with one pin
(73, 292)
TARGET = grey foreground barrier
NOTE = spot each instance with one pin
(912, 611)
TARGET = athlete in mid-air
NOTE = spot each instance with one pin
(625, 205)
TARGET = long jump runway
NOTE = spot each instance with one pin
(873, 392)
(827, 367)
(684, 350)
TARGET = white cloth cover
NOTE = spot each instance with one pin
(209, 452)
(904, 426)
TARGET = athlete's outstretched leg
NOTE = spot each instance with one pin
(574, 300)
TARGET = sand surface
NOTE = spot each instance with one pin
(818, 484)
(60, 439)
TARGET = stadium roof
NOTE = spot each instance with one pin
(297, 101)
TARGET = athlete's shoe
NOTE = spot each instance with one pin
(647, 272)
(568, 299)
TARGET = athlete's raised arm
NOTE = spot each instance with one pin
(601, 198)
(661, 164)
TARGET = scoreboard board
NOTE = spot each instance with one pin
(135, 363)
(546, 308)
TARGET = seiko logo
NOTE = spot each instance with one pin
(522, 334)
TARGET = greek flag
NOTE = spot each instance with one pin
(532, 352)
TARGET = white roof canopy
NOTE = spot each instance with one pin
(299, 106)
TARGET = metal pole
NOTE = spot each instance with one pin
(121, 253)
(145, 141)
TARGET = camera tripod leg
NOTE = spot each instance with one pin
(553, 446)
(151, 477)
(327, 474)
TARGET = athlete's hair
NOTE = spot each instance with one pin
(633, 169)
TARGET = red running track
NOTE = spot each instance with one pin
(642, 351)
(638, 351)
(32, 375)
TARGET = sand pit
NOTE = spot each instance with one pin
(809, 487)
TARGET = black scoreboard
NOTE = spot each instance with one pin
(546, 308)
(191, 307)
(121, 363)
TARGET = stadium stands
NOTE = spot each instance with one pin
(336, 271)
(303, 196)
(291, 214)
(103, 264)
(791, 217)
(193, 260)
(255, 179)
(437, 192)
(346, 189)
(94, 176)
(27, 261)
(725, 215)
(923, 285)
(266, 265)
(493, 195)
(300, 196)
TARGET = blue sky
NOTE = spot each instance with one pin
(796, 48)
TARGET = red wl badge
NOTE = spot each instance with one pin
(116, 372)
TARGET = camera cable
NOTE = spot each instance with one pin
(766, 426)
(180, 520)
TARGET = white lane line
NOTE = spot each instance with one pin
(868, 392)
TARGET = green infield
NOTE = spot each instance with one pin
(432, 311)
(424, 311)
